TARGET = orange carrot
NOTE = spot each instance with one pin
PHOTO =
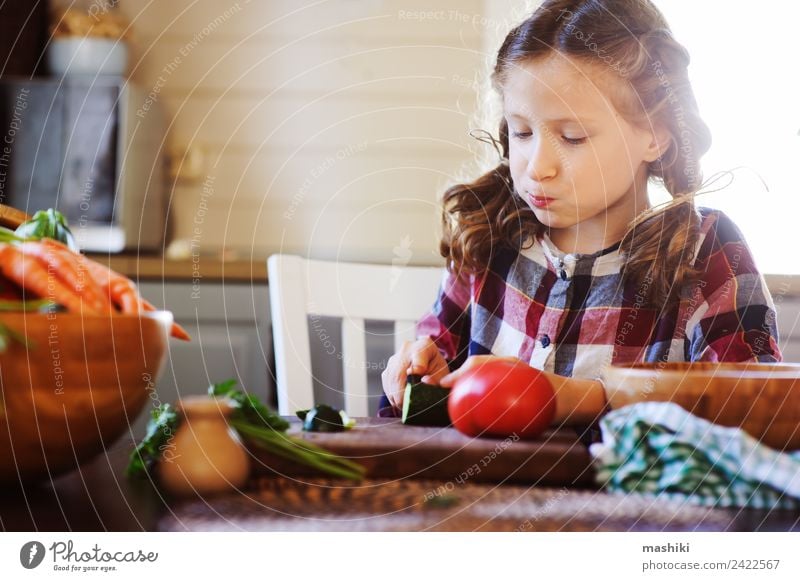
(70, 268)
(52, 271)
(120, 290)
(177, 331)
(123, 293)
(30, 274)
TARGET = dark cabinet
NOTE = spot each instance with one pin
(23, 37)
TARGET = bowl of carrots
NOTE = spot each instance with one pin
(80, 352)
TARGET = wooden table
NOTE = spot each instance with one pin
(98, 497)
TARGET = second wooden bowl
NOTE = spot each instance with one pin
(762, 399)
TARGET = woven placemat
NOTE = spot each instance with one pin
(282, 504)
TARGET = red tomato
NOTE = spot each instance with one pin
(501, 398)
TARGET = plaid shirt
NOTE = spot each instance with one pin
(572, 315)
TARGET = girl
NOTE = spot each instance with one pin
(555, 257)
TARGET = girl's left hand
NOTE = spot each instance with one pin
(578, 401)
(472, 362)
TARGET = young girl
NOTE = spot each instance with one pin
(555, 257)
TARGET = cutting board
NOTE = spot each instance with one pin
(389, 449)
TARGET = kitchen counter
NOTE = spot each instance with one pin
(140, 267)
(213, 267)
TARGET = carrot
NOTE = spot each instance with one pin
(126, 295)
(123, 293)
(70, 268)
(177, 331)
(50, 270)
(30, 274)
(121, 290)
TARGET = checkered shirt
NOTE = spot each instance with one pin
(572, 315)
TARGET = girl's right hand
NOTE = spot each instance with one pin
(421, 357)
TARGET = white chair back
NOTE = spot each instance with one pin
(301, 287)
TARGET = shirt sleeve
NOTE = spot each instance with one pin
(448, 322)
(731, 312)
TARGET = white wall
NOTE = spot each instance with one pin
(328, 128)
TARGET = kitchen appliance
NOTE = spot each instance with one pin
(91, 147)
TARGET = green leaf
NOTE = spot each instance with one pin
(248, 407)
(161, 429)
(20, 306)
(48, 223)
(265, 429)
(255, 423)
(7, 235)
(7, 335)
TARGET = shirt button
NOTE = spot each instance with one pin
(545, 340)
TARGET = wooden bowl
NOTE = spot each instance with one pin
(761, 398)
(75, 389)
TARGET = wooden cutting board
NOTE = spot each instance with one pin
(389, 449)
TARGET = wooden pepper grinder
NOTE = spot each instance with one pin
(207, 456)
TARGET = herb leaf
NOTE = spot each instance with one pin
(48, 223)
(255, 423)
(7, 335)
(160, 430)
(29, 305)
(263, 428)
(248, 408)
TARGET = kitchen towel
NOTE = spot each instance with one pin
(659, 449)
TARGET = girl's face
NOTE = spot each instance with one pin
(574, 159)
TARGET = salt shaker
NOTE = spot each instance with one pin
(206, 456)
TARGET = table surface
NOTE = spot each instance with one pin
(98, 497)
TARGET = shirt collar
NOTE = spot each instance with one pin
(563, 263)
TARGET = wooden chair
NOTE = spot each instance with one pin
(300, 287)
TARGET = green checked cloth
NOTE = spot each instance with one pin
(659, 449)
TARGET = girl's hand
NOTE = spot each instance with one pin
(421, 357)
(474, 361)
(578, 401)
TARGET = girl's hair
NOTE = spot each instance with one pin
(632, 40)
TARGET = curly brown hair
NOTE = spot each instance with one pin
(634, 41)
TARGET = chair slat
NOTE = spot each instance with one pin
(403, 331)
(290, 329)
(354, 359)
